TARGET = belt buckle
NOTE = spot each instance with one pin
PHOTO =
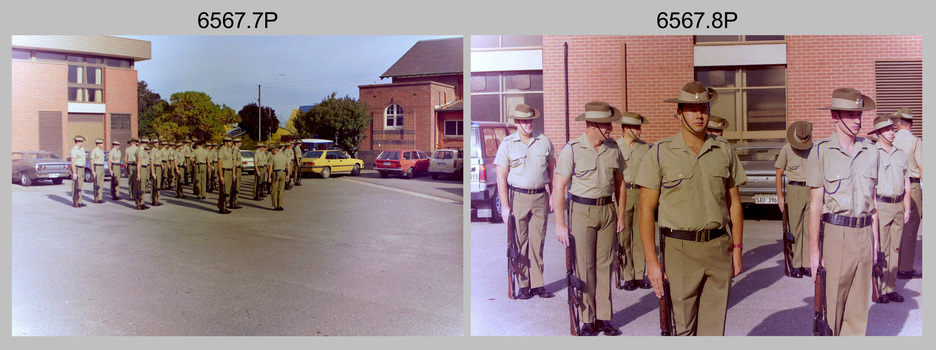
(702, 235)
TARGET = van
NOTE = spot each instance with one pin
(486, 137)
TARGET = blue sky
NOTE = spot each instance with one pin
(229, 68)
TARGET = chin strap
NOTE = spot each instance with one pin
(849, 129)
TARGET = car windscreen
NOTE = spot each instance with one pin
(247, 154)
(757, 154)
(46, 156)
(393, 155)
(312, 154)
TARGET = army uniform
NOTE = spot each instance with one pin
(791, 162)
(848, 181)
(226, 174)
(212, 166)
(99, 164)
(278, 175)
(178, 168)
(187, 168)
(144, 163)
(693, 192)
(113, 158)
(200, 156)
(260, 171)
(157, 159)
(892, 203)
(297, 156)
(634, 266)
(238, 171)
(288, 152)
(78, 169)
(132, 170)
(913, 147)
(528, 180)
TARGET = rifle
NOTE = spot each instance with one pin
(513, 257)
(667, 323)
(788, 241)
(574, 286)
(877, 272)
(820, 319)
(616, 265)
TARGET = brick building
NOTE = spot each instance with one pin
(421, 107)
(764, 82)
(67, 85)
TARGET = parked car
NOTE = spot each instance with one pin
(485, 138)
(327, 162)
(446, 162)
(406, 162)
(29, 166)
(247, 164)
(757, 159)
(87, 172)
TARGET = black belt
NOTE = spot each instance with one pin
(100, 164)
(202, 163)
(131, 163)
(279, 170)
(78, 166)
(797, 183)
(591, 201)
(915, 180)
(143, 166)
(695, 236)
(849, 221)
(887, 199)
(226, 169)
(631, 186)
(524, 190)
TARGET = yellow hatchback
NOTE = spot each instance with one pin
(326, 162)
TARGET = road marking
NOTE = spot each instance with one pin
(423, 195)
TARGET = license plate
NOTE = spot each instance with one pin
(474, 176)
(53, 176)
(765, 199)
(386, 163)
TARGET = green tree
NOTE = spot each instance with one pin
(149, 106)
(248, 115)
(343, 120)
(193, 114)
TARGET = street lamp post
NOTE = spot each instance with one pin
(260, 110)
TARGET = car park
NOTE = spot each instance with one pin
(327, 162)
(405, 162)
(485, 139)
(446, 162)
(247, 162)
(758, 159)
(30, 166)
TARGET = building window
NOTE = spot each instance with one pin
(394, 117)
(505, 41)
(751, 98)
(453, 128)
(735, 39)
(20, 54)
(494, 95)
(85, 79)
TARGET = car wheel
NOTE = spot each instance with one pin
(460, 174)
(383, 174)
(57, 181)
(87, 175)
(435, 176)
(409, 173)
(326, 172)
(496, 209)
(356, 171)
(24, 179)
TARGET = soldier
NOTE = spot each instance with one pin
(201, 170)
(238, 172)
(143, 172)
(212, 166)
(179, 168)
(791, 162)
(132, 168)
(893, 203)
(114, 167)
(279, 176)
(912, 146)
(594, 166)
(842, 172)
(98, 166)
(633, 149)
(226, 173)
(290, 154)
(716, 126)
(77, 169)
(260, 171)
(165, 157)
(187, 170)
(156, 158)
(525, 163)
(297, 157)
(693, 178)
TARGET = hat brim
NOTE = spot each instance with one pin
(867, 104)
(615, 115)
(713, 96)
(536, 114)
(797, 144)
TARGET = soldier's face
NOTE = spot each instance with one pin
(695, 116)
(634, 130)
(886, 135)
(603, 129)
(850, 121)
(524, 126)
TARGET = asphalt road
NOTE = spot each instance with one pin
(762, 301)
(349, 256)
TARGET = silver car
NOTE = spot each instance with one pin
(248, 161)
(29, 166)
(485, 138)
(758, 159)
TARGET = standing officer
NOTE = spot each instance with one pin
(297, 157)
(156, 158)
(114, 159)
(226, 172)
(98, 167)
(165, 157)
(179, 167)
(260, 171)
(893, 203)
(132, 168)
(912, 146)
(187, 154)
(279, 175)
(143, 172)
(77, 169)
(525, 163)
(842, 172)
(791, 162)
(212, 166)
(291, 157)
(692, 178)
(200, 155)
(633, 149)
(594, 166)
(238, 172)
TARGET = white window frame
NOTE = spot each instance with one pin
(394, 120)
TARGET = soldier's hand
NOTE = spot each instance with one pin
(780, 202)
(906, 216)
(562, 234)
(736, 261)
(621, 224)
(655, 275)
(813, 265)
(505, 211)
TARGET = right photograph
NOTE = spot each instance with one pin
(696, 185)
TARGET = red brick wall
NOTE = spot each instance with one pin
(37, 87)
(120, 94)
(816, 65)
(418, 100)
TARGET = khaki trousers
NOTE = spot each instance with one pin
(847, 255)
(700, 276)
(259, 179)
(890, 229)
(594, 230)
(99, 170)
(144, 177)
(634, 264)
(908, 240)
(157, 183)
(201, 175)
(279, 183)
(797, 199)
(531, 212)
(132, 183)
(78, 182)
(115, 180)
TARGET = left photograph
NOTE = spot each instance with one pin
(237, 185)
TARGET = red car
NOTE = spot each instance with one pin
(406, 162)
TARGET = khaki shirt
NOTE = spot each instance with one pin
(848, 180)
(592, 172)
(238, 157)
(905, 141)
(156, 155)
(893, 171)
(131, 154)
(793, 162)
(114, 156)
(187, 151)
(97, 156)
(279, 161)
(290, 155)
(527, 163)
(177, 155)
(201, 155)
(226, 157)
(143, 156)
(78, 154)
(632, 156)
(260, 158)
(693, 188)
(213, 155)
